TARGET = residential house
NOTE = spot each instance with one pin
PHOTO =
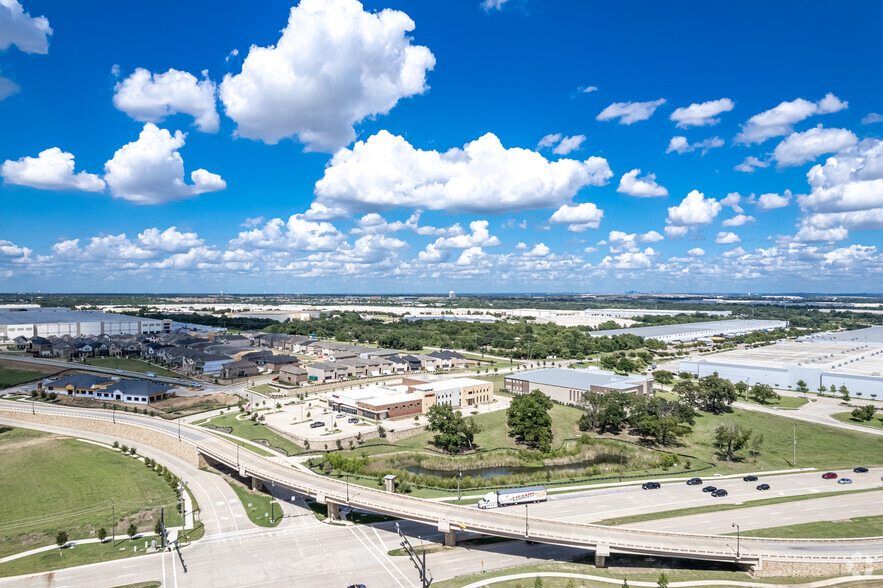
(292, 374)
(239, 369)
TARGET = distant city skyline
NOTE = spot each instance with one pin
(402, 146)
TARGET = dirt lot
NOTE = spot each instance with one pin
(170, 409)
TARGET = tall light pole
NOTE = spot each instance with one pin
(526, 528)
(738, 537)
(347, 489)
(459, 475)
(794, 448)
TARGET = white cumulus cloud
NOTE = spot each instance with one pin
(799, 148)
(724, 238)
(17, 27)
(630, 112)
(773, 201)
(7, 88)
(578, 217)
(681, 145)
(780, 120)
(871, 118)
(148, 97)
(479, 237)
(650, 237)
(750, 164)
(700, 115)
(738, 220)
(52, 169)
(151, 171)
(644, 187)
(569, 144)
(695, 209)
(334, 65)
(696, 252)
(386, 172)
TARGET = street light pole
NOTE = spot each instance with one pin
(738, 537)
(526, 528)
(459, 475)
(179, 430)
(794, 457)
(347, 489)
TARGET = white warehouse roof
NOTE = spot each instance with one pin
(693, 331)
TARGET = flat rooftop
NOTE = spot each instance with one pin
(869, 335)
(735, 325)
(454, 383)
(47, 316)
(580, 379)
(860, 359)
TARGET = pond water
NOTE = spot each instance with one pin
(490, 472)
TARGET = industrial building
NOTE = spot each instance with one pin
(633, 312)
(568, 385)
(853, 359)
(694, 331)
(46, 322)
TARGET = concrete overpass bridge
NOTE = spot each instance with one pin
(200, 447)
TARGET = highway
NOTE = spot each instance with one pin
(594, 505)
(500, 522)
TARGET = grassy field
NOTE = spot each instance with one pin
(855, 527)
(264, 389)
(247, 429)
(77, 556)
(10, 377)
(257, 505)
(876, 422)
(680, 512)
(130, 365)
(51, 483)
(782, 402)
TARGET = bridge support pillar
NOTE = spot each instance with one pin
(602, 552)
(256, 484)
(333, 511)
(450, 538)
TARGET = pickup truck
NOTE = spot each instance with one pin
(513, 496)
(150, 375)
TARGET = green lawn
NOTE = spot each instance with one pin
(78, 556)
(782, 402)
(51, 483)
(14, 377)
(246, 429)
(681, 512)
(876, 422)
(855, 527)
(264, 389)
(257, 506)
(130, 365)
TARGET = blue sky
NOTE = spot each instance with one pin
(412, 146)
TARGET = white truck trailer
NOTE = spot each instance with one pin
(513, 496)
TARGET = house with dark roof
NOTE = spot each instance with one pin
(292, 374)
(239, 369)
(327, 371)
(275, 363)
(101, 388)
(449, 360)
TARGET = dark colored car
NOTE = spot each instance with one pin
(750, 479)
(352, 420)
(694, 481)
(763, 487)
(317, 424)
(651, 485)
(829, 476)
(719, 492)
(860, 470)
(709, 489)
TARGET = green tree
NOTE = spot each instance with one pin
(716, 393)
(529, 421)
(132, 530)
(802, 387)
(452, 431)
(662, 580)
(685, 375)
(729, 438)
(833, 389)
(663, 377)
(864, 413)
(845, 393)
(741, 389)
(61, 538)
(687, 390)
(763, 393)
(102, 534)
(593, 404)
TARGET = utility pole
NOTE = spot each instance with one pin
(738, 546)
(459, 475)
(620, 466)
(179, 429)
(526, 528)
(794, 457)
(113, 521)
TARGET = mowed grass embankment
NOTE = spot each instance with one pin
(843, 529)
(248, 429)
(846, 417)
(53, 483)
(14, 377)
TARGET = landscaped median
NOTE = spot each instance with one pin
(245, 428)
(262, 510)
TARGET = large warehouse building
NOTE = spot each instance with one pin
(567, 385)
(852, 358)
(45, 322)
(694, 331)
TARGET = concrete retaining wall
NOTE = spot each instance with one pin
(772, 569)
(137, 435)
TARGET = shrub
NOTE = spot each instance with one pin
(133, 451)
(102, 534)
(61, 538)
(116, 444)
(124, 449)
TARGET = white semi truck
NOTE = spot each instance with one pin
(513, 496)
